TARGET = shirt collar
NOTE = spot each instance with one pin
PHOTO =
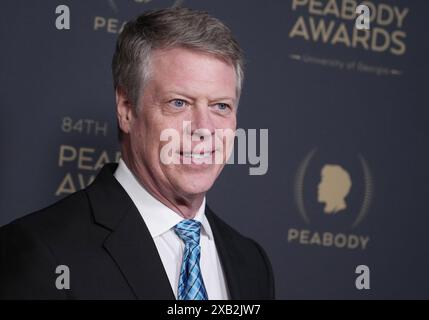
(158, 217)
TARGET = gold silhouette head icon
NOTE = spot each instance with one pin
(333, 188)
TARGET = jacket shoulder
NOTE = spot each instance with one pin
(28, 258)
(56, 218)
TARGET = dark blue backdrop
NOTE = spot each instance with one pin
(326, 98)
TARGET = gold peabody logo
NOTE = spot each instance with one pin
(334, 185)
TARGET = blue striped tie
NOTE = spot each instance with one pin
(191, 285)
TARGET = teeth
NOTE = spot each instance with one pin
(197, 155)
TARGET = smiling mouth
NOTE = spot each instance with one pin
(201, 155)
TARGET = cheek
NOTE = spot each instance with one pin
(169, 130)
(229, 126)
(226, 123)
(137, 142)
(142, 138)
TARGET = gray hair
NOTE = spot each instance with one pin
(164, 29)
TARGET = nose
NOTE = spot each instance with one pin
(202, 122)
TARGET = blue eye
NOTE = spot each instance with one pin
(178, 103)
(222, 106)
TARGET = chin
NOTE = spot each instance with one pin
(196, 187)
(192, 181)
(195, 184)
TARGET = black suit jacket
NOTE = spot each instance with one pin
(100, 235)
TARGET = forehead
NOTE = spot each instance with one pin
(194, 72)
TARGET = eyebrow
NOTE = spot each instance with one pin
(178, 94)
(193, 99)
(223, 98)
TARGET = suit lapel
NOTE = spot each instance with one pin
(229, 261)
(133, 249)
(129, 244)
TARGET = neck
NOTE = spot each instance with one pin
(184, 205)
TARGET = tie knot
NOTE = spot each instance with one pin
(188, 231)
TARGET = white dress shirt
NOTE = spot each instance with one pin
(160, 221)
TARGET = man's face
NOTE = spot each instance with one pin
(185, 85)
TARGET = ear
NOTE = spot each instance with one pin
(124, 110)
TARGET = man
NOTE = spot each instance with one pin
(142, 228)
